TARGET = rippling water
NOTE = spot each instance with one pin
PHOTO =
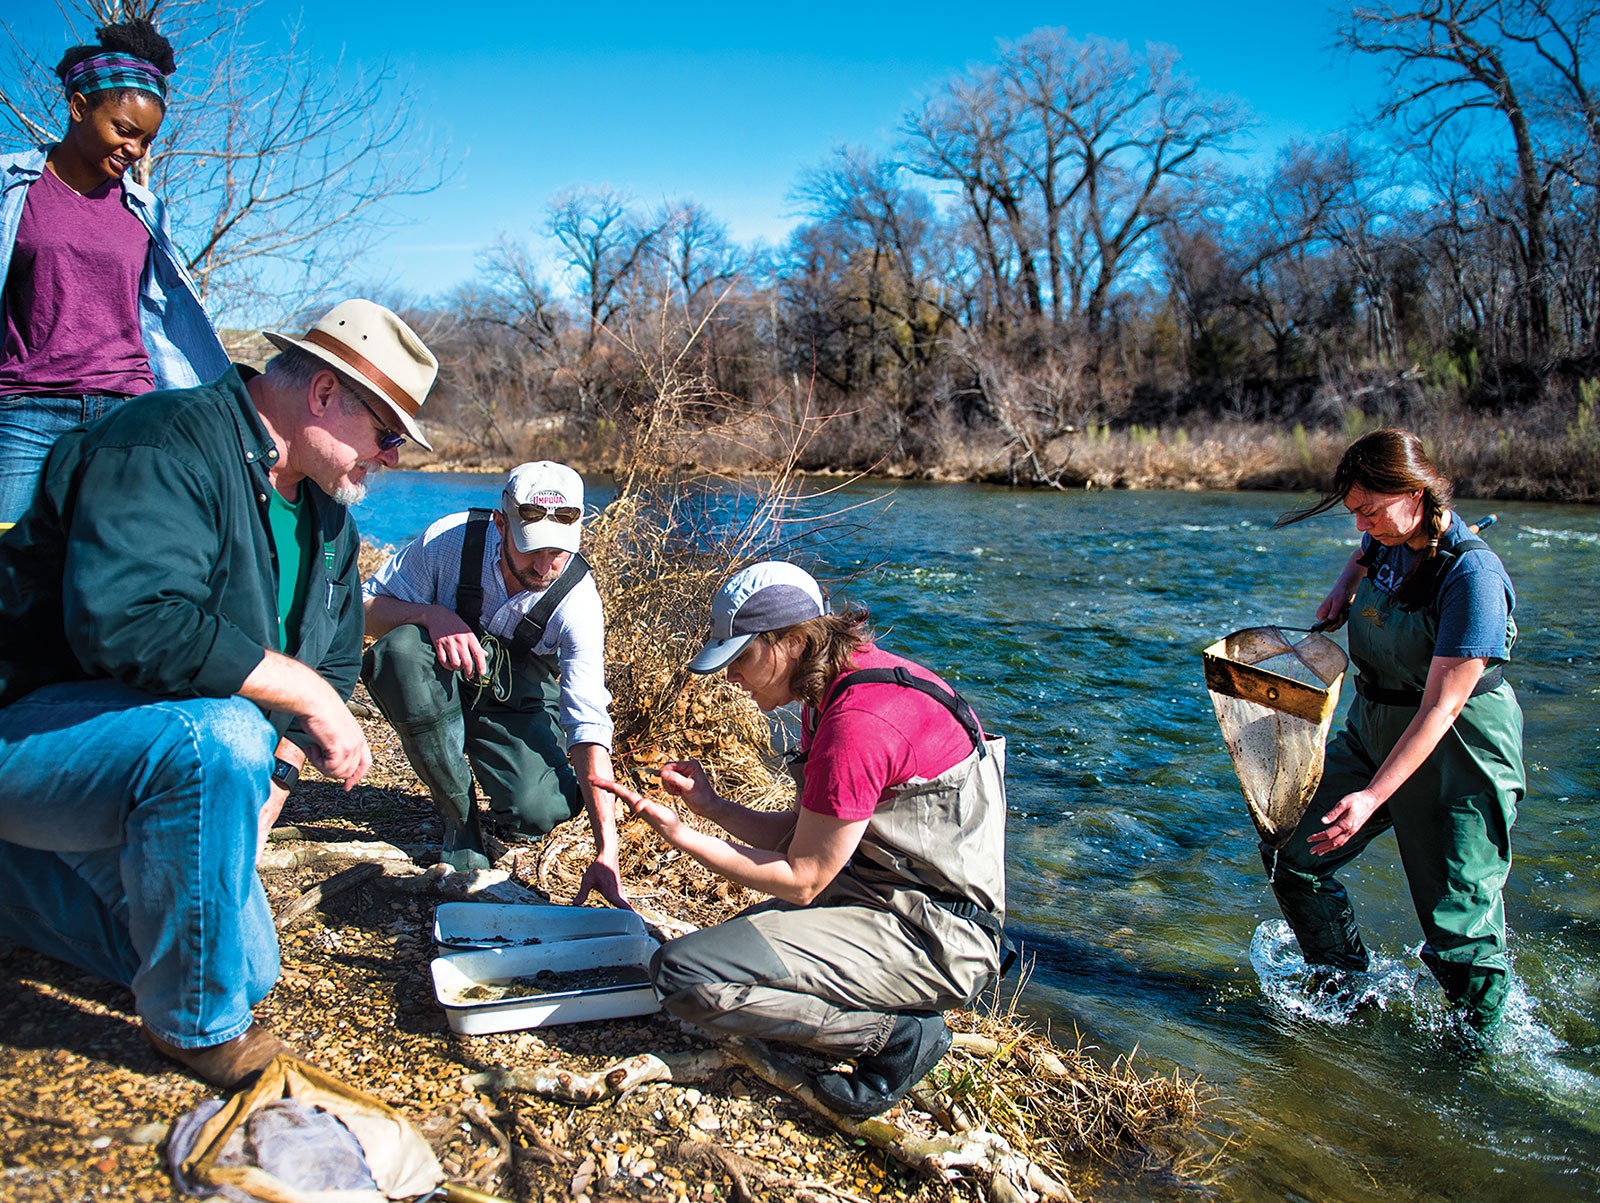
(1074, 623)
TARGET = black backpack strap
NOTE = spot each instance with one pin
(952, 701)
(469, 584)
(531, 629)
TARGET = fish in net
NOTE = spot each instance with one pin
(1275, 697)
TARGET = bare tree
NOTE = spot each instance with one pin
(890, 235)
(1139, 132)
(1099, 145)
(963, 136)
(279, 168)
(604, 244)
(515, 297)
(1454, 61)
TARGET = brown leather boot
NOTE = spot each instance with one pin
(226, 1064)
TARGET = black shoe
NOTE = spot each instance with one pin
(882, 1079)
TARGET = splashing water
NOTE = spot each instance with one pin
(1332, 996)
(1520, 1054)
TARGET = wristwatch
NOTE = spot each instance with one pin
(284, 773)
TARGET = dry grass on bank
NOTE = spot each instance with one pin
(1548, 450)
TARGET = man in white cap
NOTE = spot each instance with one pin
(491, 650)
(182, 629)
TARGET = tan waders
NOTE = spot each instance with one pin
(911, 924)
(1452, 818)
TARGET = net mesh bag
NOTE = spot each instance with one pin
(1275, 697)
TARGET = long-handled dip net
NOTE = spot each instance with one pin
(1275, 699)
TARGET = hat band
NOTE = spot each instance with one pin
(392, 391)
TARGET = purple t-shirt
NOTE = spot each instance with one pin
(72, 295)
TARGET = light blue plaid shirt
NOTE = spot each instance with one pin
(179, 340)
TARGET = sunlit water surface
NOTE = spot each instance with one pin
(1074, 623)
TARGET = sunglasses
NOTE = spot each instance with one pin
(388, 439)
(566, 515)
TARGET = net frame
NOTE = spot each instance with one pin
(1261, 711)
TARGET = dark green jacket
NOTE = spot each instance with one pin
(145, 558)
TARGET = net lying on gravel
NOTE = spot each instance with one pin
(1275, 697)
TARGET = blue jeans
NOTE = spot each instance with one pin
(128, 845)
(29, 427)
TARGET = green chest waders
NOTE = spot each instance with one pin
(503, 730)
(1452, 818)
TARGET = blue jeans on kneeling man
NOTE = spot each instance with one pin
(128, 845)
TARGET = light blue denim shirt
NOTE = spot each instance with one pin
(182, 345)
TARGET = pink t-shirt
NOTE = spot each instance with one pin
(875, 738)
(72, 295)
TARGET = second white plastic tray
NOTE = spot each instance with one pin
(460, 976)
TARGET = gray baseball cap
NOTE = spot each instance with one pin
(768, 596)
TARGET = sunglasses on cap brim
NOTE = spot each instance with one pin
(566, 515)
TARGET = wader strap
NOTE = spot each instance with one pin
(531, 629)
(962, 908)
(961, 710)
(469, 582)
(1420, 589)
(1413, 697)
(952, 701)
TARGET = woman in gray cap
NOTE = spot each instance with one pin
(887, 874)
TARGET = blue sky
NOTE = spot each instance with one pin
(727, 104)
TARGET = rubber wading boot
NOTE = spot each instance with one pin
(433, 746)
(915, 1045)
(463, 847)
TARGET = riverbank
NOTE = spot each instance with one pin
(85, 1104)
(1487, 457)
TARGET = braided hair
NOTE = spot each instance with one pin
(1388, 462)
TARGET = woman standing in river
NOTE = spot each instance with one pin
(888, 873)
(1432, 745)
(97, 307)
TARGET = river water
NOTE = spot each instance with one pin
(1074, 623)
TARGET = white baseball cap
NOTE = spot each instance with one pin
(768, 596)
(543, 506)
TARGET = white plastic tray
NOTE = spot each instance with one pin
(465, 925)
(458, 972)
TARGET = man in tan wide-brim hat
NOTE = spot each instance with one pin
(183, 628)
(345, 335)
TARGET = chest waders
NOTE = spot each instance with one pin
(1452, 817)
(911, 924)
(502, 729)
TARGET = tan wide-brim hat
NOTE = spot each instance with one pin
(368, 342)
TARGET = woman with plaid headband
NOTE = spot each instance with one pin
(96, 306)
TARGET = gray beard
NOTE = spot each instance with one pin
(349, 495)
